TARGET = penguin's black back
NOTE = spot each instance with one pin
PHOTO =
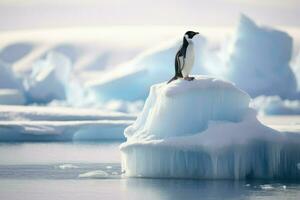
(181, 53)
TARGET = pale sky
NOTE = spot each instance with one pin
(19, 14)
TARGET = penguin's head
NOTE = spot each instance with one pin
(189, 35)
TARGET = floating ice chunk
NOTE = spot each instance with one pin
(259, 60)
(68, 166)
(284, 187)
(205, 129)
(11, 97)
(49, 78)
(266, 187)
(94, 174)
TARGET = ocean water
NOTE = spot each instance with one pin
(93, 171)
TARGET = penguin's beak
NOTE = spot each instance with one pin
(196, 33)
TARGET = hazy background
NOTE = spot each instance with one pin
(20, 14)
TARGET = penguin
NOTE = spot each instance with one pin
(184, 59)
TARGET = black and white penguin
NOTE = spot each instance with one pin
(184, 59)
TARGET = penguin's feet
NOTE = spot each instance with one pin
(189, 78)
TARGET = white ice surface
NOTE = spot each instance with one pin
(11, 97)
(97, 174)
(16, 51)
(205, 129)
(8, 79)
(42, 113)
(259, 60)
(49, 78)
(29, 123)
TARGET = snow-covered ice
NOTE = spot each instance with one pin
(11, 97)
(98, 174)
(16, 51)
(8, 79)
(205, 129)
(49, 78)
(29, 123)
(43, 113)
(259, 60)
(67, 166)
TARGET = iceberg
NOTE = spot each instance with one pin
(258, 60)
(255, 58)
(8, 80)
(14, 52)
(205, 129)
(296, 68)
(49, 79)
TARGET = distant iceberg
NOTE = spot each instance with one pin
(8, 79)
(274, 105)
(255, 58)
(36, 123)
(16, 51)
(11, 88)
(49, 79)
(205, 129)
(258, 60)
(296, 69)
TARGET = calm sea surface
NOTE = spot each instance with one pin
(92, 171)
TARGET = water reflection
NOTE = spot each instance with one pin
(165, 189)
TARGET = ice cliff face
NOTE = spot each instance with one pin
(205, 129)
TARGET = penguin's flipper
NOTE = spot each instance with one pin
(173, 79)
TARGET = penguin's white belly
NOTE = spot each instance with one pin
(189, 61)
